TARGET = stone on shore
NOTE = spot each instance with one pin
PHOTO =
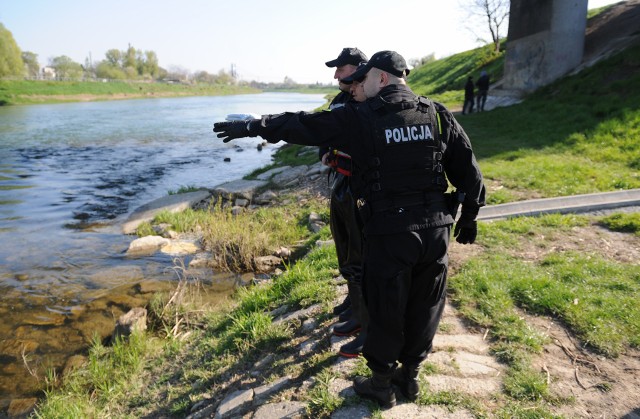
(171, 203)
(147, 245)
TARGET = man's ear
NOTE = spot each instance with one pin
(384, 78)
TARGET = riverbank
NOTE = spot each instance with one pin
(27, 92)
(269, 351)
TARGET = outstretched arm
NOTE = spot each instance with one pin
(314, 129)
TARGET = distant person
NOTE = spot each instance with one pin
(483, 88)
(468, 96)
(345, 223)
(407, 149)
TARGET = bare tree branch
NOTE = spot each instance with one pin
(495, 13)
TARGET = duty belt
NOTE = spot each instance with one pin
(381, 205)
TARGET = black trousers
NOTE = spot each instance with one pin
(346, 228)
(405, 279)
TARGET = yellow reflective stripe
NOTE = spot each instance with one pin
(439, 123)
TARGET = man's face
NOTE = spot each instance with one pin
(344, 71)
(357, 91)
(372, 83)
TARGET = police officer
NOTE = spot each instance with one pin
(407, 149)
(344, 221)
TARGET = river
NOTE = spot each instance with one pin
(69, 175)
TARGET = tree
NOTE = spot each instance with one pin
(150, 66)
(66, 68)
(31, 63)
(10, 56)
(224, 77)
(418, 62)
(495, 13)
(106, 70)
(114, 57)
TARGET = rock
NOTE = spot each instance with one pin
(266, 197)
(115, 276)
(239, 188)
(237, 210)
(134, 321)
(324, 243)
(288, 176)
(92, 324)
(309, 325)
(21, 407)
(255, 372)
(272, 172)
(241, 202)
(147, 245)
(262, 393)
(165, 231)
(282, 410)
(234, 402)
(73, 363)
(178, 248)
(172, 203)
(200, 260)
(307, 347)
(266, 263)
(227, 159)
(298, 315)
(315, 222)
(282, 252)
(317, 169)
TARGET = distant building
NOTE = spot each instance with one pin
(48, 73)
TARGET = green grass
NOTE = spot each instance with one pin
(578, 135)
(235, 240)
(594, 296)
(626, 223)
(450, 74)
(20, 92)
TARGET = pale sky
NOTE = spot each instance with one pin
(265, 40)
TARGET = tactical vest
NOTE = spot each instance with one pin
(406, 152)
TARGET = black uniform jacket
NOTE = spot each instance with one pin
(349, 128)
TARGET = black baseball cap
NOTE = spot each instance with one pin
(388, 61)
(351, 56)
(350, 79)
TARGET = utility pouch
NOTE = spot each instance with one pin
(453, 202)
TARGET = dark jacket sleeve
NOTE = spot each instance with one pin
(460, 163)
(321, 129)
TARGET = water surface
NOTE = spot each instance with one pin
(69, 175)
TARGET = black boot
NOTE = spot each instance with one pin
(345, 304)
(376, 388)
(351, 326)
(406, 378)
(354, 348)
(346, 315)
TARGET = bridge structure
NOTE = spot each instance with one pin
(546, 41)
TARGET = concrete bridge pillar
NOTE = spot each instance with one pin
(545, 41)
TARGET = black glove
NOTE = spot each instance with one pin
(466, 228)
(231, 130)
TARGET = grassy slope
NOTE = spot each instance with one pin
(577, 135)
